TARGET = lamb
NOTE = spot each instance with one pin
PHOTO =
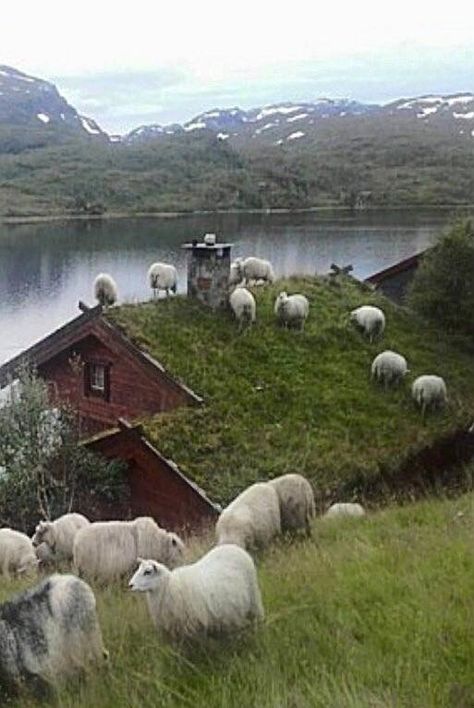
(219, 594)
(105, 290)
(292, 310)
(162, 276)
(429, 391)
(17, 554)
(389, 368)
(255, 269)
(108, 550)
(252, 519)
(344, 509)
(60, 534)
(235, 276)
(243, 306)
(48, 633)
(297, 506)
(370, 319)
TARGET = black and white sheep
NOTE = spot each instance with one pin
(162, 276)
(429, 392)
(108, 550)
(291, 310)
(389, 368)
(243, 305)
(105, 290)
(59, 534)
(370, 319)
(297, 505)
(219, 594)
(17, 554)
(252, 519)
(48, 633)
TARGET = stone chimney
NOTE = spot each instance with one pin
(209, 270)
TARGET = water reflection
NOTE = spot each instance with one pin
(46, 268)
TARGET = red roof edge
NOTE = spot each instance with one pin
(400, 267)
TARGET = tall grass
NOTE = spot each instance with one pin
(375, 612)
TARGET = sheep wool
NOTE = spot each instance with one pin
(243, 305)
(429, 392)
(105, 290)
(389, 368)
(254, 269)
(344, 509)
(17, 554)
(162, 276)
(370, 319)
(252, 519)
(59, 534)
(291, 310)
(219, 594)
(297, 505)
(108, 550)
(49, 632)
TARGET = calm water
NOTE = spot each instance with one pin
(46, 268)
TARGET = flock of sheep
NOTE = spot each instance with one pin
(52, 630)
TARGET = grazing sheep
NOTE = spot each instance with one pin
(297, 506)
(108, 550)
(243, 306)
(252, 519)
(235, 276)
(292, 310)
(60, 534)
(429, 391)
(344, 509)
(219, 594)
(371, 320)
(255, 269)
(17, 554)
(162, 276)
(105, 290)
(389, 368)
(48, 633)
(45, 556)
(210, 239)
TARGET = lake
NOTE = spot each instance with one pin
(46, 268)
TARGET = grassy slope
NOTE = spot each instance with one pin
(280, 401)
(371, 613)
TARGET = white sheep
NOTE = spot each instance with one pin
(108, 550)
(47, 633)
(429, 391)
(252, 519)
(370, 319)
(243, 306)
(297, 506)
(162, 276)
(59, 534)
(344, 509)
(291, 310)
(255, 269)
(17, 554)
(235, 275)
(219, 594)
(389, 368)
(105, 290)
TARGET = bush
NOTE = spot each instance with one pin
(443, 287)
(44, 471)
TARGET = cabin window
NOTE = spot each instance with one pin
(97, 380)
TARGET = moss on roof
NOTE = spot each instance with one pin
(280, 401)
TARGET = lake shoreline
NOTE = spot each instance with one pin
(110, 216)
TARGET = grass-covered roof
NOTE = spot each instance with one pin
(280, 401)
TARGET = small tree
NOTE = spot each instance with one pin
(43, 468)
(443, 287)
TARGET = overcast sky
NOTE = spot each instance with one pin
(133, 63)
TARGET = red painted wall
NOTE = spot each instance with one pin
(134, 390)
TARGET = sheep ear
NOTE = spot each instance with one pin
(139, 560)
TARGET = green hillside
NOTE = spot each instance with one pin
(371, 613)
(279, 401)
